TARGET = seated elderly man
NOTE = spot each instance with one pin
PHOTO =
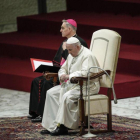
(61, 106)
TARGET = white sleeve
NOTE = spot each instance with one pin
(63, 69)
(88, 62)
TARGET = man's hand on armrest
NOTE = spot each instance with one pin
(73, 80)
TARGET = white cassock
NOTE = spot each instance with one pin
(61, 105)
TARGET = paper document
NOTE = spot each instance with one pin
(40, 65)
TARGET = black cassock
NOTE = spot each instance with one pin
(40, 85)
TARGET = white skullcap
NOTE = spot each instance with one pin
(72, 40)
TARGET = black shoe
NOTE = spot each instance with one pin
(32, 116)
(45, 132)
(59, 131)
(37, 119)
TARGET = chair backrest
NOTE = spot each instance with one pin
(105, 45)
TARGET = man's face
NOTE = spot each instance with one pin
(73, 50)
(65, 30)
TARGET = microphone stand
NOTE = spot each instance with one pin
(89, 134)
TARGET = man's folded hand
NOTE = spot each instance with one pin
(64, 77)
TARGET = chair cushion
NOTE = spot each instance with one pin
(98, 104)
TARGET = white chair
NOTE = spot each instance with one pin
(105, 45)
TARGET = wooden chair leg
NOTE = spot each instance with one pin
(82, 117)
(109, 116)
(81, 110)
(86, 121)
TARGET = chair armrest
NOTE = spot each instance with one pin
(93, 76)
(52, 75)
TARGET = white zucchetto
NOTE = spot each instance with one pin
(72, 40)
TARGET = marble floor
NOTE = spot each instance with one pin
(16, 103)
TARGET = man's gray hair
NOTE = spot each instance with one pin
(69, 25)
